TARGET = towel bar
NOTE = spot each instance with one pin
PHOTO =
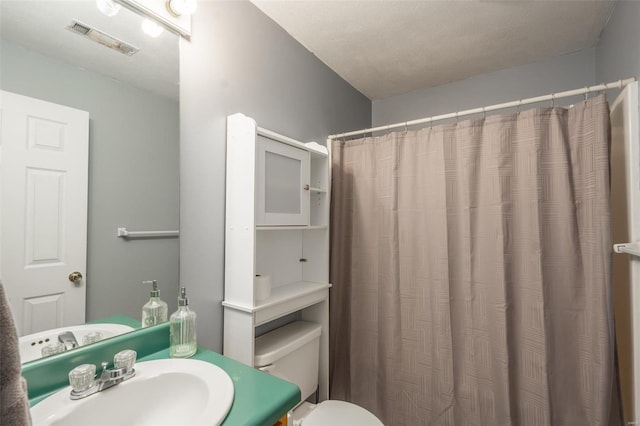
(629, 248)
(124, 233)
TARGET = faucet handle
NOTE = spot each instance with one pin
(91, 337)
(82, 377)
(125, 359)
(53, 348)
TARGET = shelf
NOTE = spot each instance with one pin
(285, 300)
(290, 227)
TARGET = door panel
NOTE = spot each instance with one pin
(44, 191)
(39, 311)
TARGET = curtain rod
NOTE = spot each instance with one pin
(552, 97)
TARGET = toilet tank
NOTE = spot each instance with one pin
(291, 353)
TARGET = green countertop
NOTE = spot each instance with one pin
(259, 398)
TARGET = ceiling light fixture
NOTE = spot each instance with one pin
(181, 7)
(151, 28)
(108, 7)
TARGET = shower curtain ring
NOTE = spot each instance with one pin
(586, 94)
(405, 127)
(484, 113)
(553, 100)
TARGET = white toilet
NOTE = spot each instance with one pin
(292, 353)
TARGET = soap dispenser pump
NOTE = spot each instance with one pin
(182, 329)
(155, 310)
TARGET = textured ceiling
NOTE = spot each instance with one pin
(385, 48)
(39, 25)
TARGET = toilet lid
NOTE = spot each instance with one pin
(340, 413)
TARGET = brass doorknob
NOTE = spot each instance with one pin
(75, 277)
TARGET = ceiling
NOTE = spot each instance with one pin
(389, 47)
(40, 25)
(381, 47)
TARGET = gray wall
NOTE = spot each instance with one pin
(133, 176)
(241, 61)
(618, 52)
(617, 56)
(540, 78)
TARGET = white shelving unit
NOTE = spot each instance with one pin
(285, 236)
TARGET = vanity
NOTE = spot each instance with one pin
(259, 398)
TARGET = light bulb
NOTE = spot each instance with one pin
(108, 7)
(182, 7)
(151, 28)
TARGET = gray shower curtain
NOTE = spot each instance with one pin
(470, 265)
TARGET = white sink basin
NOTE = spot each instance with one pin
(163, 392)
(31, 345)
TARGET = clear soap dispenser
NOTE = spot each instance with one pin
(155, 310)
(182, 329)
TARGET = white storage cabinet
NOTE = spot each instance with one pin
(277, 224)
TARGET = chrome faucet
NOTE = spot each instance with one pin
(83, 378)
(68, 340)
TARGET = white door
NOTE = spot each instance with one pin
(44, 158)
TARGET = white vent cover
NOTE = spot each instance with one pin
(101, 37)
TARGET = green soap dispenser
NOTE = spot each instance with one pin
(182, 329)
(155, 310)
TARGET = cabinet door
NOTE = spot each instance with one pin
(282, 184)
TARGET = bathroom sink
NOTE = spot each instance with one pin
(31, 345)
(163, 392)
